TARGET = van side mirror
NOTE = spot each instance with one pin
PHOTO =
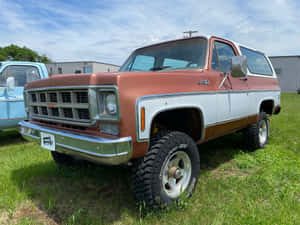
(10, 83)
(239, 66)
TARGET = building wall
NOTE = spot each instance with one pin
(99, 67)
(288, 72)
(79, 67)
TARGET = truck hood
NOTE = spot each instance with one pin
(75, 80)
(109, 78)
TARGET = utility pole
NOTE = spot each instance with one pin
(190, 32)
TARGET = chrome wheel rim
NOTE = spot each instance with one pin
(176, 174)
(263, 132)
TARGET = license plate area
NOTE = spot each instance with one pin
(48, 141)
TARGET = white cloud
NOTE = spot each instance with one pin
(71, 32)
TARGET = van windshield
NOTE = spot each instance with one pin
(21, 74)
(176, 55)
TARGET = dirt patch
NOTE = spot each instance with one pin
(228, 172)
(4, 218)
(26, 211)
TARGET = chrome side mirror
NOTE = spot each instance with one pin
(10, 83)
(239, 66)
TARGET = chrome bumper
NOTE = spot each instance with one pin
(110, 151)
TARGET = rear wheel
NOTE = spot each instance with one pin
(257, 135)
(168, 171)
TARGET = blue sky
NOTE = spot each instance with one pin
(109, 30)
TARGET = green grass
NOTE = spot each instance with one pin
(235, 186)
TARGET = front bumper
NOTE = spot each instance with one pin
(110, 151)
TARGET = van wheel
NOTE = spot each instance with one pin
(63, 160)
(257, 135)
(168, 171)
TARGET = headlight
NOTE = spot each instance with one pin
(108, 105)
(111, 104)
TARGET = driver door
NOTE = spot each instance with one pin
(232, 95)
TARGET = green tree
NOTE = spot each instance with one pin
(16, 53)
(2, 55)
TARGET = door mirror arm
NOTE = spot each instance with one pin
(226, 76)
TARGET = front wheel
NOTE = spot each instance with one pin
(168, 171)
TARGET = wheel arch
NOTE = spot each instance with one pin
(266, 105)
(193, 111)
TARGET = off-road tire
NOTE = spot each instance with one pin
(146, 174)
(252, 133)
(156, 137)
(63, 160)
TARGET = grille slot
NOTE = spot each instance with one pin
(68, 113)
(35, 110)
(44, 110)
(83, 114)
(33, 97)
(54, 112)
(42, 97)
(70, 106)
(53, 97)
(66, 97)
(82, 97)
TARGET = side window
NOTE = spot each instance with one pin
(32, 73)
(22, 74)
(175, 63)
(257, 62)
(143, 63)
(2, 78)
(215, 61)
(222, 54)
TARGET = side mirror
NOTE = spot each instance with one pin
(239, 66)
(10, 83)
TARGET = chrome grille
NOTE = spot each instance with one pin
(70, 106)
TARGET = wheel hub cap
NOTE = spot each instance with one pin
(263, 132)
(176, 174)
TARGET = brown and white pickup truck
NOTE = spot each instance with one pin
(165, 99)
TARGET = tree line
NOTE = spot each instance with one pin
(16, 53)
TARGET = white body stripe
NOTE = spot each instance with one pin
(216, 107)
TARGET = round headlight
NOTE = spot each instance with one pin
(111, 104)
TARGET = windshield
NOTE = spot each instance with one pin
(21, 74)
(176, 55)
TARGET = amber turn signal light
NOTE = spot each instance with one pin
(143, 119)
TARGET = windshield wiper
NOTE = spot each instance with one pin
(159, 68)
